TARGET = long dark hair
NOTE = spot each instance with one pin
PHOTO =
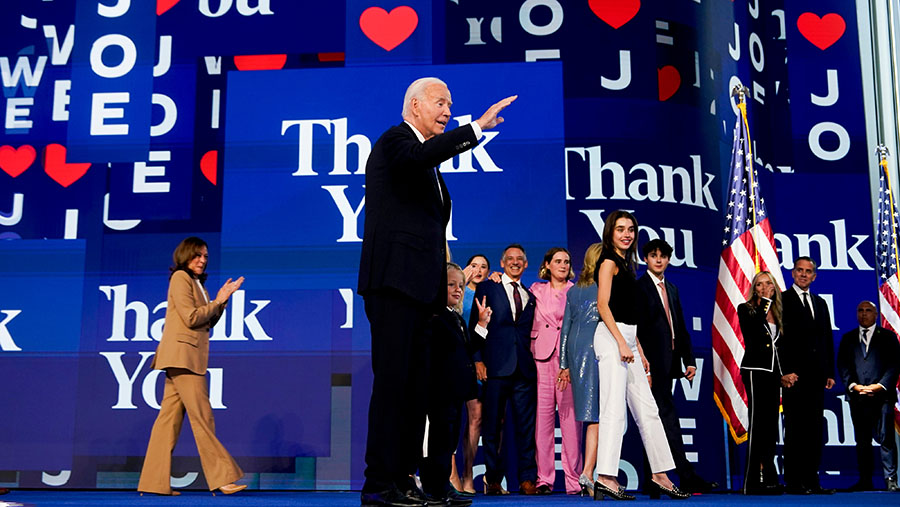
(610, 226)
(184, 253)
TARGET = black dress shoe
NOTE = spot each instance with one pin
(697, 485)
(436, 501)
(458, 500)
(861, 486)
(797, 490)
(764, 489)
(544, 489)
(391, 497)
(819, 490)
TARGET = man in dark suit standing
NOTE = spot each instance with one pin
(667, 344)
(506, 366)
(869, 362)
(807, 354)
(402, 277)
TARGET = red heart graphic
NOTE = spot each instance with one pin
(669, 81)
(56, 167)
(163, 5)
(615, 13)
(260, 62)
(388, 30)
(822, 32)
(15, 160)
(208, 165)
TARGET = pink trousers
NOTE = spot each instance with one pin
(548, 398)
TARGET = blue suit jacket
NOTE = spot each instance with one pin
(880, 365)
(508, 342)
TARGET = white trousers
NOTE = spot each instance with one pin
(621, 382)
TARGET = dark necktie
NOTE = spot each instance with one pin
(862, 342)
(462, 326)
(807, 305)
(437, 184)
(517, 299)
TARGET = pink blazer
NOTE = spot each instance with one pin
(548, 316)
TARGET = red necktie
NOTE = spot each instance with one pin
(517, 299)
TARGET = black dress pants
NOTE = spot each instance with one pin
(762, 399)
(400, 332)
(443, 437)
(803, 426)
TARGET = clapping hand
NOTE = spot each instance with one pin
(229, 288)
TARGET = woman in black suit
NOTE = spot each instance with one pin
(760, 320)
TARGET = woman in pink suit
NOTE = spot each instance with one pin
(551, 381)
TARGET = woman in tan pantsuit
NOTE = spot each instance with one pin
(183, 352)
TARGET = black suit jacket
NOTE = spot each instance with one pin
(406, 214)
(654, 333)
(452, 371)
(508, 342)
(760, 350)
(807, 348)
(880, 365)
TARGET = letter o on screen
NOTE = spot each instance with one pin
(129, 56)
(815, 134)
(551, 27)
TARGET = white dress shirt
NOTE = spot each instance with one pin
(507, 281)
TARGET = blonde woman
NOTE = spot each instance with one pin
(760, 320)
(577, 363)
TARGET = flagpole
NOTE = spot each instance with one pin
(741, 91)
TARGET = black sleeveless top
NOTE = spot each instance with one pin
(623, 295)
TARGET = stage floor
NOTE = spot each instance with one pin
(44, 498)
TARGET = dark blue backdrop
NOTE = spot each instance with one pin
(248, 122)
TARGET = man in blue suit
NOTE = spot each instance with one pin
(506, 366)
(868, 361)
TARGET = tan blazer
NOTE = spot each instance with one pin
(185, 339)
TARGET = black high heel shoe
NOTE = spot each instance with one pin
(655, 489)
(602, 490)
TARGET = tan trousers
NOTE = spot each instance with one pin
(185, 391)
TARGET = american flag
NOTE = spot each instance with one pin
(886, 260)
(747, 248)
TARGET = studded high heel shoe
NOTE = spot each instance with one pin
(655, 489)
(587, 486)
(602, 491)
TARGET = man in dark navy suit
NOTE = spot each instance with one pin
(402, 277)
(506, 366)
(806, 350)
(667, 344)
(869, 362)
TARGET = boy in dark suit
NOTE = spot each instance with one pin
(667, 344)
(451, 383)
